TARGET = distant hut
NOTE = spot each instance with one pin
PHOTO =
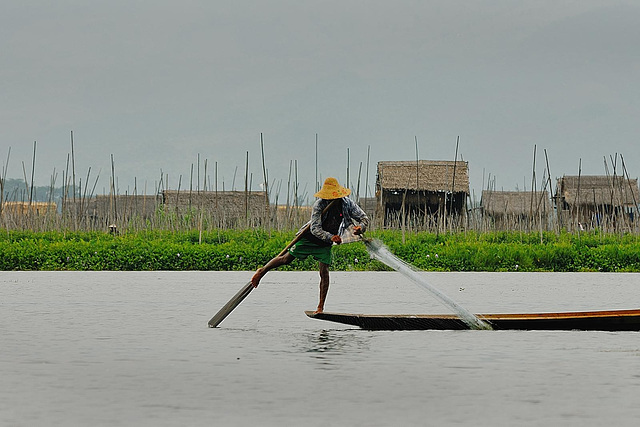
(224, 208)
(28, 208)
(592, 201)
(507, 210)
(422, 190)
(368, 204)
(103, 210)
(33, 216)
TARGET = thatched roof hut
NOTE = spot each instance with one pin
(596, 201)
(421, 191)
(508, 210)
(512, 203)
(595, 190)
(424, 175)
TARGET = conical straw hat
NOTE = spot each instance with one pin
(332, 190)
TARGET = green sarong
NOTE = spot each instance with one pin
(304, 248)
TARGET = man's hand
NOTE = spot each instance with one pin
(357, 230)
(336, 239)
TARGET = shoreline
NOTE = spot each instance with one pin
(246, 250)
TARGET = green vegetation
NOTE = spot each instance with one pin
(249, 249)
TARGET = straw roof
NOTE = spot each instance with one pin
(424, 175)
(515, 202)
(598, 190)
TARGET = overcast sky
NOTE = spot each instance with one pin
(157, 83)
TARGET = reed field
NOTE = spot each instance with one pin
(241, 250)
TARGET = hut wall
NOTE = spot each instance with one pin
(101, 211)
(369, 205)
(225, 208)
(424, 203)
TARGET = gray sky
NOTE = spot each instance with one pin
(157, 83)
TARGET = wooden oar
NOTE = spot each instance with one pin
(246, 289)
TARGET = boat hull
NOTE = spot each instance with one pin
(609, 320)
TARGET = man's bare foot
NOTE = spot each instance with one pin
(318, 310)
(255, 280)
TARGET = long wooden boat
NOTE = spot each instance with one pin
(609, 320)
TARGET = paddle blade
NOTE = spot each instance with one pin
(233, 303)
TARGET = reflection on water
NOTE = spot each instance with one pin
(327, 346)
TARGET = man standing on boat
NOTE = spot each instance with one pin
(334, 216)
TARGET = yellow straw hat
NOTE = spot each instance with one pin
(332, 190)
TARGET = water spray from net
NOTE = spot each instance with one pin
(380, 252)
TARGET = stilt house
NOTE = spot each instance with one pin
(507, 210)
(594, 201)
(420, 190)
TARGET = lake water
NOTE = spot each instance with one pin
(134, 349)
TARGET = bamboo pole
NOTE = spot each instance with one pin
(73, 168)
(622, 196)
(533, 187)
(287, 211)
(83, 196)
(265, 183)
(358, 185)
(3, 180)
(246, 190)
(633, 194)
(113, 190)
(178, 199)
(348, 160)
(415, 137)
(65, 192)
(611, 191)
(296, 186)
(366, 179)
(33, 170)
(616, 203)
(453, 181)
(233, 181)
(551, 191)
(578, 196)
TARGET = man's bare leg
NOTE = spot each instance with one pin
(324, 286)
(274, 263)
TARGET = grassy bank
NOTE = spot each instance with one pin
(249, 249)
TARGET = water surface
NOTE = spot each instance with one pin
(133, 348)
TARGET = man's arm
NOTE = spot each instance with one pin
(358, 216)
